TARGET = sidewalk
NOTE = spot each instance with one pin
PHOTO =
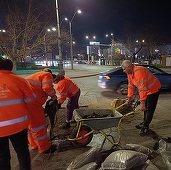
(160, 126)
(85, 70)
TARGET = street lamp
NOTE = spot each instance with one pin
(44, 39)
(137, 49)
(2, 48)
(60, 64)
(70, 31)
(112, 46)
(2, 31)
(157, 55)
(64, 19)
(89, 47)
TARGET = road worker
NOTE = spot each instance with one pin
(148, 87)
(42, 85)
(67, 88)
(16, 97)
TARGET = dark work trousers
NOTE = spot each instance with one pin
(72, 104)
(151, 103)
(20, 144)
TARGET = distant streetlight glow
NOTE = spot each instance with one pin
(90, 38)
(90, 43)
(53, 29)
(112, 46)
(137, 41)
(2, 31)
(70, 30)
(45, 49)
(64, 19)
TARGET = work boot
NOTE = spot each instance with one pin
(52, 149)
(65, 125)
(139, 126)
(143, 131)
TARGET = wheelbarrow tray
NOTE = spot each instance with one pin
(110, 118)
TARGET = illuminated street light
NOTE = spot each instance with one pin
(112, 46)
(111, 34)
(71, 42)
(64, 19)
(157, 55)
(142, 41)
(2, 31)
(137, 50)
(90, 38)
(44, 39)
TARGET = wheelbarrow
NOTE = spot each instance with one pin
(90, 121)
(87, 125)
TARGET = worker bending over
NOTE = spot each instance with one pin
(42, 85)
(67, 88)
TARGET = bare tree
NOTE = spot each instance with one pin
(152, 39)
(25, 32)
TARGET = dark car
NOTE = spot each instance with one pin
(116, 79)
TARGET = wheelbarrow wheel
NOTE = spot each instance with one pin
(83, 131)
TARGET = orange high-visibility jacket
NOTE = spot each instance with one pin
(42, 85)
(66, 88)
(145, 82)
(16, 97)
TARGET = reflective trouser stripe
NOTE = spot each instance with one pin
(38, 128)
(41, 138)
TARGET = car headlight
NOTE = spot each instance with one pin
(107, 77)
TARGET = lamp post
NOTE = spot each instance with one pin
(157, 55)
(112, 46)
(1, 48)
(60, 64)
(71, 42)
(140, 45)
(89, 47)
(44, 39)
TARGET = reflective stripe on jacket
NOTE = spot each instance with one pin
(144, 80)
(42, 85)
(16, 97)
(66, 88)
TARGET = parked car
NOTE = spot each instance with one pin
(116, 79)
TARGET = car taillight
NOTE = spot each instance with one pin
(107, 77)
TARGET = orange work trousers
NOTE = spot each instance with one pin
(37, 129)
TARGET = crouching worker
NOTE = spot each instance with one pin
(16, 97)
(67, 88)
(42, 85)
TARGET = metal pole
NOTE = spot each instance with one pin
(71, 48)
(45, 50)
(59, 40)
(112, 47)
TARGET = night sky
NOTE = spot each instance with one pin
(100, 17)
(105, 16)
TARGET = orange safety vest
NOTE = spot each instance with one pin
(42, 85)
(66, 88)
(16, 97)
(145, 82)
